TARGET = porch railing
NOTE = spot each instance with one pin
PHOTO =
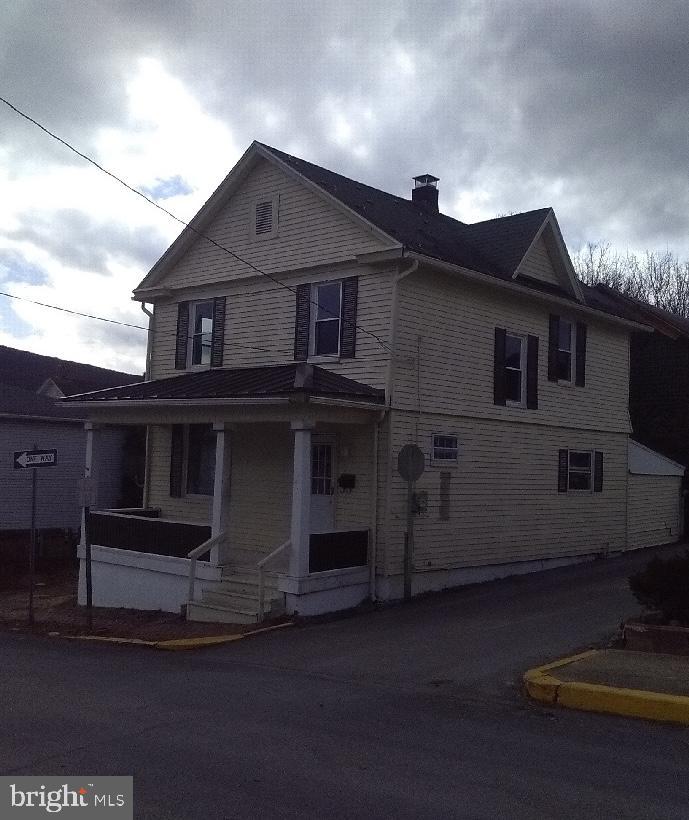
(262, 564)
(194, 555)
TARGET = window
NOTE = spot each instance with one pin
(200, 459)
(445, 449)
(327, 314)
(201, 332)
(579, 470)
(565, 339)
(515, 368)
(264, 217)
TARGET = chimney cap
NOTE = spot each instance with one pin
(424, 180)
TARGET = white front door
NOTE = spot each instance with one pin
(322, 484)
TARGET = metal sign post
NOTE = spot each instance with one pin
(411, 463)
(86, 499)
(31, 460)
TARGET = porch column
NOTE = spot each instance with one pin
(221, 487)
(89, 487)
(301, 500)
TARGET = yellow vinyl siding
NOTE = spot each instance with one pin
(259, 325)
(310, 232)
(444, 356)
(504, 503)
(537, 265)
(654, 509)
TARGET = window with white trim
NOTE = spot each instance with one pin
(580, 470)
(200, 332)
(565, 347)
(200, 459)
(326, 313)
(445, 449)
(515, 369)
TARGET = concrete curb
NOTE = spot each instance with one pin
(544, 687)
(178, 644)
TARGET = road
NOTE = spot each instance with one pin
(411, 711)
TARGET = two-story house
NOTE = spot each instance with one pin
(305, 328)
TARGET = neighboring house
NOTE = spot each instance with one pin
(325, 325)
(30, 418)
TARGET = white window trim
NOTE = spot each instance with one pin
(572, 354)
(444, 462)
(274, 199)
(190, 337)
(522, 365)
(323, 357)
(185, 468)
(592, 456)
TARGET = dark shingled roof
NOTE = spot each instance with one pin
(635, 309)
(495, 246)
(245, 382)
(15, 401)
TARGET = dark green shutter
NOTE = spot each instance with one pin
(176, 460)
(218, 337)
(302, 322)
(553, 339)
(581, 355)
(532, 373)
(598, 472)
(499, 389)
(350, 289)
(563, 471)
(182, 336)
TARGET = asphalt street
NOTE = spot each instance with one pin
(409, 711)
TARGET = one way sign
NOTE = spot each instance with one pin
(34, 458)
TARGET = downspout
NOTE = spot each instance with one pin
(147, 456)
(374, 512)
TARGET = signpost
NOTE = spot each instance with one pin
(411, 463)
(31, 460)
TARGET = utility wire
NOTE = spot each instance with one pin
(186, 224)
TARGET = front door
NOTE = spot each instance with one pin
(322, 484)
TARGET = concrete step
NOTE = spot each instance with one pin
(244, 587)
(209, 613)
(239, 601)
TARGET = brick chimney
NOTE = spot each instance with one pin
(425, 193)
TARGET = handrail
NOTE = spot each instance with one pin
(196, 553)
(261, 566)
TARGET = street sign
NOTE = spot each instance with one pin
(24, 459)
(411, 462)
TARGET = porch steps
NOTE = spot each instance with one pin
(234, 599)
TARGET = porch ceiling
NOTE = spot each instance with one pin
(290, 381)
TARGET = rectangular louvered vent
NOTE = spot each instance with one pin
(264, 217)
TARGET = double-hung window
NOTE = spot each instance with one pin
(580, 471)
(327, 318)
(515, 368)
(565, 346)
(201, 336)
(445, 450)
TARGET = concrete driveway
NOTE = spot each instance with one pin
(412, 711)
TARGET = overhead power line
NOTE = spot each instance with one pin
(183, 222)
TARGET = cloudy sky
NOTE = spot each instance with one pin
(582, 106)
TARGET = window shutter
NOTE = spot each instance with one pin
(182, 336)
(562, 471)
(499, 392)
(301, 323)
(176, 460)
(350, 291)
(581, 355)
(218, 337)
(532, 373)
(552, 347)
(598, 472)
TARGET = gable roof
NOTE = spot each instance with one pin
(244, 382)
(494, 247)
(670, 324)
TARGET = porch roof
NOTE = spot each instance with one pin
(298, 379)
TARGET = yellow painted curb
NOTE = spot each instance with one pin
(178, 644)
(593, 697)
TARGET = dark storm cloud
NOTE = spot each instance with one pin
(75, 239)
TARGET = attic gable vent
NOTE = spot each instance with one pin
(264, 217)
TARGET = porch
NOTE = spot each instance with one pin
(249, 511)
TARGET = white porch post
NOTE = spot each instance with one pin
(89, 490)
(221, 488)
(301, 500)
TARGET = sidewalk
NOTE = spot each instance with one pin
(637, 684)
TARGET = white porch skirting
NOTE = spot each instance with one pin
(140, 580)
(323, 592)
